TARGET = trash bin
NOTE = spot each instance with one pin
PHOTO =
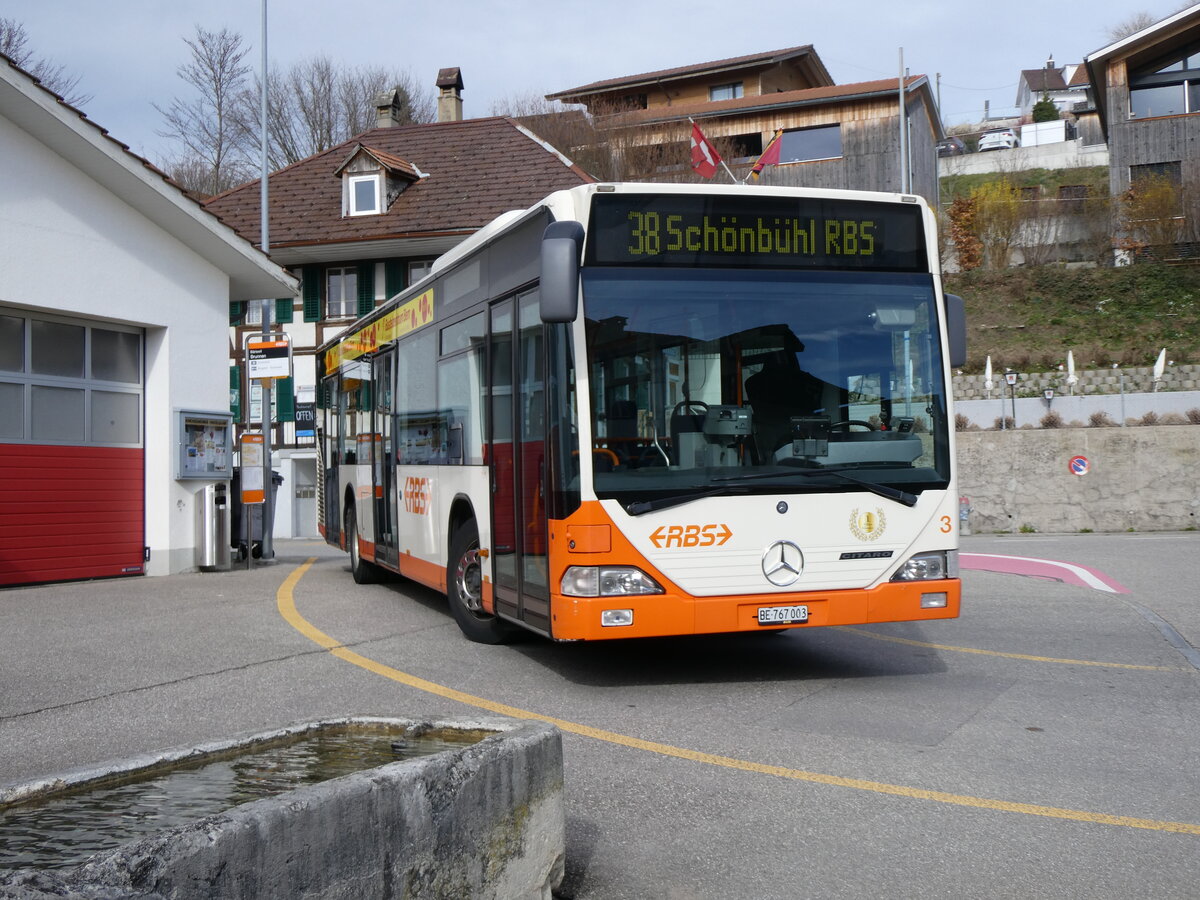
(212, 532)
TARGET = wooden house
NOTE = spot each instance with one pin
(1147, 89)
(833, 136)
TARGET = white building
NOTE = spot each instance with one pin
(114, 311)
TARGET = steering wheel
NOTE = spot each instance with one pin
(684, 405)
(848, 422)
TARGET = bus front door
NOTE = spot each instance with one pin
(516, 457)
(383, 458)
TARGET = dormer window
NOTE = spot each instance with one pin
(365, 195)
(372, 179)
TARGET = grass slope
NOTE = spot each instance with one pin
(1028, 318)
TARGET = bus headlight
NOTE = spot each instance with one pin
(607, 581)
(929, 567)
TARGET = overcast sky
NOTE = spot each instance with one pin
(126, 52)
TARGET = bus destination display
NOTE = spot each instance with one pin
(768, 232)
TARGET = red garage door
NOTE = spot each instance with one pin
(72, 474)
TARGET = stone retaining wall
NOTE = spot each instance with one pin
(1091, 381)
(1139, 479)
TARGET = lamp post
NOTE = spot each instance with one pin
(1011, 378)
(1121, 380)
(268, 513)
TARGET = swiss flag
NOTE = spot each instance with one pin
(705, 158)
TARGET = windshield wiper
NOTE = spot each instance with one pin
(645, 506)
(882, 490)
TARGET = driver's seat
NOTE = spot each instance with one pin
(778, 391)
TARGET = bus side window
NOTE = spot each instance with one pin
(416, 428)
(460, 379)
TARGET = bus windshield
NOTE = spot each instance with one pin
(702, 380)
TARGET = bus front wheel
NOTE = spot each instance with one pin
(363, 571)
(464, 589)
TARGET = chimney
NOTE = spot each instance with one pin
(1050, 62)
(387, 109)
(450, 85)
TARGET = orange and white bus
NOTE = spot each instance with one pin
(653, 409)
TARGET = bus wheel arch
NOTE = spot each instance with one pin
(349, 513)
(363, 572)
(464, 579)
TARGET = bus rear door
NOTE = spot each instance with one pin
(383, 458)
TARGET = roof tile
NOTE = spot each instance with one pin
(477, 169)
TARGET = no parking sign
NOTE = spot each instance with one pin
(1079, 465)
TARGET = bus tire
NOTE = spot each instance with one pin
(464, 590)
(363, 571)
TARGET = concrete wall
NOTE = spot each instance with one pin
(1065, 155)
(1120, 408)
(486, 821)
(1141, 478)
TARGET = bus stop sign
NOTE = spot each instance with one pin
(269, 358)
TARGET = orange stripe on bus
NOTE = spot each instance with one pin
(429, 574)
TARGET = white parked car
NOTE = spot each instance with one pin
(999, 139)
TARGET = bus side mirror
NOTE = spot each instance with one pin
(559, 292)
(956, 329)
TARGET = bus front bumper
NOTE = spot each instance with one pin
(658, 615)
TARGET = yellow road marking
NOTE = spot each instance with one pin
(1045, 659)
(286, 604)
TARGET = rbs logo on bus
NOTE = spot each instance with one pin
(416, 496)
(667, 536)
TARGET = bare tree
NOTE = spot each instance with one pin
(998, 220)
(1039, 231)
(315, 105)
(357, 87)
(570, 131)
(1095, 224)
(312, 106)
(1152, 217)
(1131, 25)
(14, 44)
(610, 146)
(206, 125)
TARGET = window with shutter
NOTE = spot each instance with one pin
(235, 392)
(366, 287)
(394, 276)
(285, 400)
(285, 309)
(311, 278)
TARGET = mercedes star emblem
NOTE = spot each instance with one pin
(782, 563)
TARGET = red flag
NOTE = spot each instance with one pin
(705, 158)
(770, 156)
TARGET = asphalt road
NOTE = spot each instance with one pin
(1042, 745)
